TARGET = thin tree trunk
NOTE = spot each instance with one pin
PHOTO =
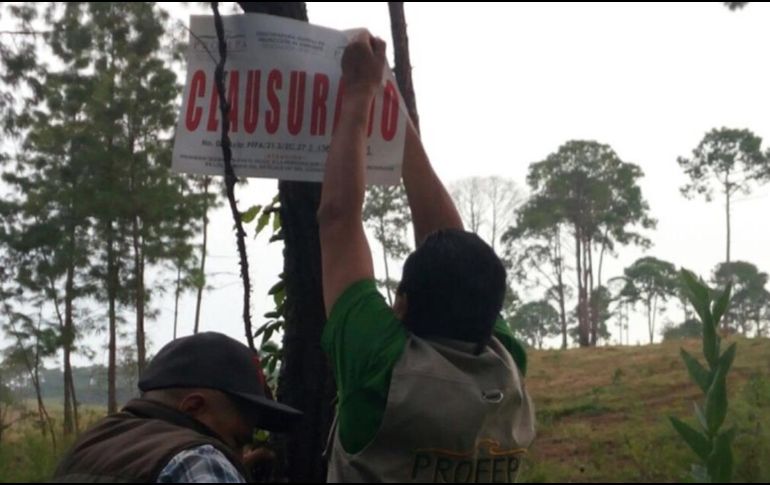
(75, 404)
(586, 289)
(727, 218)
(654, 314)
(726, 319)
(583, 331)
(592, 296)
(68, 343)
(202, 274)
(112, 267)
(403, 65)
(112, 277)
(46, 424)
(176, 297)
(562, 314)
(601, 261)
(385, 260)
(138, 245)
(557, 262)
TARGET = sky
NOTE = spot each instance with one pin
(501, 86)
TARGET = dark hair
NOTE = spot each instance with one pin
(455, 286)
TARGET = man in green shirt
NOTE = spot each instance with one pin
(431, 389)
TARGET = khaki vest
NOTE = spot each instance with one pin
(451, 416)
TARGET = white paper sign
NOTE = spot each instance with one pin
(282, 82)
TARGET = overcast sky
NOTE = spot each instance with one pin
(501, 86)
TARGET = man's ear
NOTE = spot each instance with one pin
(400, 305)
(192, 404)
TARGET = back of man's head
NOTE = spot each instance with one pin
(454, 285)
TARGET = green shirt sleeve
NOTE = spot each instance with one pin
(505, 335)
(364, 340)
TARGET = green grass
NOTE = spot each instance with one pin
(28, 455)
(602, 413)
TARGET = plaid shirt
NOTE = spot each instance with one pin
(203, 464)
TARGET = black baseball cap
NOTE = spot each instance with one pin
(215, 361)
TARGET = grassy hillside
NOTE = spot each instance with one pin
(601, 417)
(602, 413)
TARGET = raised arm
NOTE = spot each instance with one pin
(345, 254)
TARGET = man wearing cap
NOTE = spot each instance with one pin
(202, 396)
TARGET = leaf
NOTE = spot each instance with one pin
(698, 295)
(276, 221)
(262, 436)
(716, 402)
(698, 373)
(726, 360)
(711, 345)
(264, 218)
(697, 442)
(268, 334)
(279, 299)
(279, 286)
(701, 417)
(720, 306)
(250, 214)
(720, 462)
(269, 347)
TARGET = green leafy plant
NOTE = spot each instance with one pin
(270, 352)
(711, 443)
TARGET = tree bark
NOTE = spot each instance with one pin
(202, 274)
(305, 381)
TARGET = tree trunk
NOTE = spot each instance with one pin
(583, 331)
(33, 368)
(727, 218)
(202, 274)
(586, 292)
(112, 266)
(403, 64)
(385, 261)
(557, 264)
(45, 418)
(562, 313)
(75, 415)
(601, 260)
(305, 380)
(594, 310)
(69, 381)
(68, 337)
(652, 308)
(726, 319)
(112, 295)
(176, 297)
(70, 418)
(138, 245)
